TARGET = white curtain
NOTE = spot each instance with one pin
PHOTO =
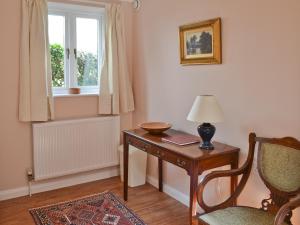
(116, 95)
(35, 100)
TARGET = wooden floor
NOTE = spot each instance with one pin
(154, 207)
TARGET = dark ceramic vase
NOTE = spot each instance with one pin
(206, 132)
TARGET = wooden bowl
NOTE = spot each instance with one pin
(155, 127)
(74, 91)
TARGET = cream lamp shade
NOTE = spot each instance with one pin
(206, 109)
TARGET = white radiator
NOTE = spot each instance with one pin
(67, 147)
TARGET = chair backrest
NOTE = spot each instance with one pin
(279, 168)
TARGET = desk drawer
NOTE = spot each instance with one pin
(160, 153)
(169, 157)
(139, 144)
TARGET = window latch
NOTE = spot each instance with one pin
(75, 53)
(68, 53)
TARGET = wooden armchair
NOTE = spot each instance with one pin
(279, 168)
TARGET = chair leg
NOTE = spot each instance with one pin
(195, 221)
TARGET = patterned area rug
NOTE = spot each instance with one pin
(99, 209)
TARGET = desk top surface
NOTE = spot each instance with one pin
(191, 151)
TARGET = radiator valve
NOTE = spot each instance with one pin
(30, 175)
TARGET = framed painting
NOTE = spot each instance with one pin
(200, 43)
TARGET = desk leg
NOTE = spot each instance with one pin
(125, 164)
(193, 194)
(160, 175)
(234, 179)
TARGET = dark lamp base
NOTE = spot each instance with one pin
(206, 132)
(207, 146)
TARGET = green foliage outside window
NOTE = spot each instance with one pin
(57, 65)
(87, 67)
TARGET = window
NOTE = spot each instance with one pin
(76, 41)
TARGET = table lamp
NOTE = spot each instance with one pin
(206, 110)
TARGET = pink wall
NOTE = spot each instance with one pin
(257, 85)
(16, 137)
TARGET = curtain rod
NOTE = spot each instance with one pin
(136, 3)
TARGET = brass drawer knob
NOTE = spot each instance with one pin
(181, 162)
(159, 154)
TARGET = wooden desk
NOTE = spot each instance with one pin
(190, 158)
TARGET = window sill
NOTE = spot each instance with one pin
(74, 95)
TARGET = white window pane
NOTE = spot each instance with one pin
(56, 31)
(87, 51)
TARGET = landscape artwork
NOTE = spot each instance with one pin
(200, 43)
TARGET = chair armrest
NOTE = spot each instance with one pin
(245, 170)
(286, 209)
(225, 173)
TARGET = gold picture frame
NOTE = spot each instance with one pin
(200, 43)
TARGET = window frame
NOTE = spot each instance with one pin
(70, 12)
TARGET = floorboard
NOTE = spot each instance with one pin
(154, 207)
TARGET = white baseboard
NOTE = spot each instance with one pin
(13, 193)
(179, 196)
(38, 187)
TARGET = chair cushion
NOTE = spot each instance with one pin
(238, 216)
(280, 166)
